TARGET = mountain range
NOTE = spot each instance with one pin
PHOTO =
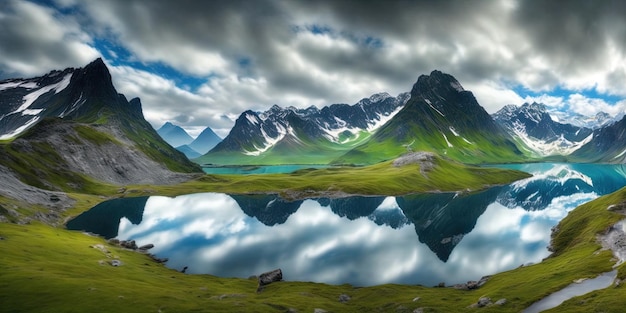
(438, 115)
(305, 136)
(75, 129)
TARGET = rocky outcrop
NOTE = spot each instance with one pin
(269, 277)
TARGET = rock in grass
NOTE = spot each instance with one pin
(116, 263)
(343, 298)
(146, 247)
(483, 301)
(270, 277)
(501, 302)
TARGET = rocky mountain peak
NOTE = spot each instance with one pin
(438, 83)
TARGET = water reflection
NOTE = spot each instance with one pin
(360, 240)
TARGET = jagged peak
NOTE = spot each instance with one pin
(436, 80)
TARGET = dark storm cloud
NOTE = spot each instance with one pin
(254, 54)
(33, 42)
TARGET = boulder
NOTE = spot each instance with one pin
(116, 263)
(270, 277)
(146, 247)
(129, 244)
(501, 302)
(343, 298)
(483, 301)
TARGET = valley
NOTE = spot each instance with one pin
(419, 181)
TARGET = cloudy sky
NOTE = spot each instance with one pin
(202, 63)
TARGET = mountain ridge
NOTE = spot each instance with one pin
(85, 134)
(532, 124)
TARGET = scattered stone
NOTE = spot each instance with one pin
(483, 301)
(343, 298)
(184, 269)
(416, 298)
(159, 260)
(316, 310)
(418, 310)
(501, 302)
(129, 244)
(114, 241)
(116, 263)
(580, 280)
(102, 262)
(146, 247)
(292, 310)
(100, 247)
(269, 277)
(54, 198)
(472, 284)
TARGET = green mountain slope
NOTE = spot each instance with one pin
(442, 118)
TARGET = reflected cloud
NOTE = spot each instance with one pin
(358, 240)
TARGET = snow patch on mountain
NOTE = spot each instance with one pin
(20, 129)
(382, 119)
(448, 142)
(432, 107)
(269, 141)
(30, 98)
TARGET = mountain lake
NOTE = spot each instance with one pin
(415, 239)
(260, 169)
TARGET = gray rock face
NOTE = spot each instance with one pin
(56, 202)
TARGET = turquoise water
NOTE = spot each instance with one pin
(261, 169)
(416, 239)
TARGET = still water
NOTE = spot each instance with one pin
(260, 169)
(416, 239)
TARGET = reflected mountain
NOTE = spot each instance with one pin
(441, 220)
(562, 180)
(104, 218)
(355, 207)
(268, 209)
(392, 218)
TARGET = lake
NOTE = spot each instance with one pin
(259, 169)
(416, 239)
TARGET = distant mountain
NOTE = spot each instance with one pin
(608, 145)
(205, 141)
(440, 117)
(174, 135)
(535, 128)
(303, 136)
(70, 130)
(597, 121)
(189, 152)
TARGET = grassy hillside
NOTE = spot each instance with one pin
(379, 179)
(47, 269)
